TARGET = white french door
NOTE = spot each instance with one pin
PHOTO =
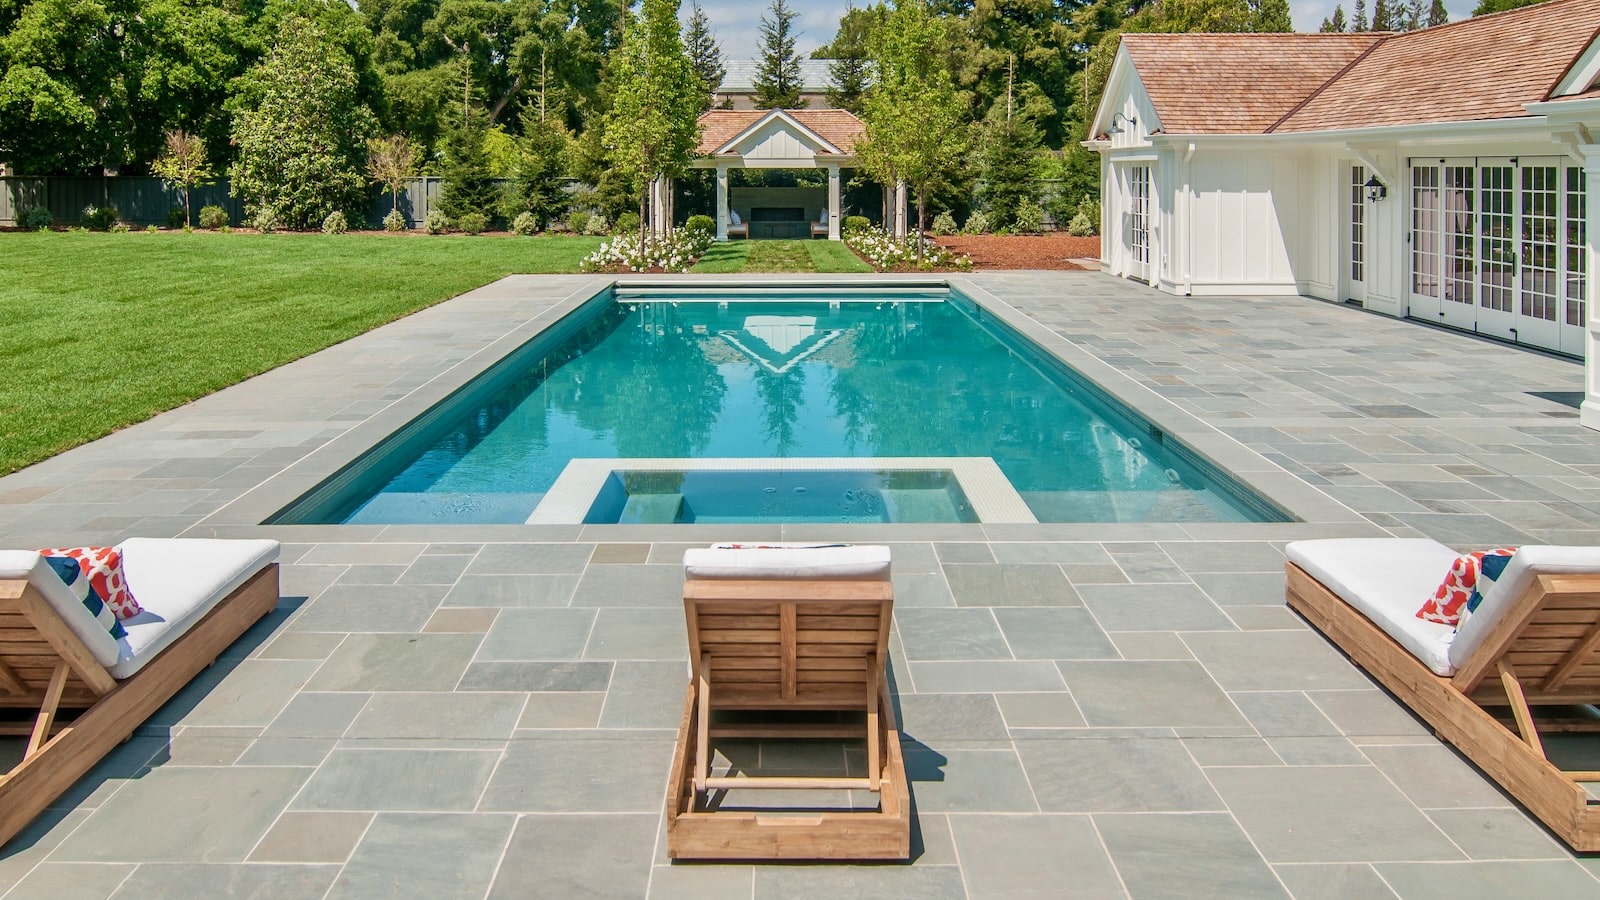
(1355, 274)
(1497, 248)
(1139, 222)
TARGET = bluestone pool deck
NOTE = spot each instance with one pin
(1088, 710)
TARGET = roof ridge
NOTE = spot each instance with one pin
(1384, 38)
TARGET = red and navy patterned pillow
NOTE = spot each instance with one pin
(102, 569)
(71, 574)
(1460, 590)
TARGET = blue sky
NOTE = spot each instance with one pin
(736, 22)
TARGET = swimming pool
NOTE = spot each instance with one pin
(767, 380)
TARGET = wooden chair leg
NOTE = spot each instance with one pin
(47, 709)
(702, 739)
(1519, 707)
(874, 748)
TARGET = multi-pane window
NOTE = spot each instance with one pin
(1497, 241)
(1358, 224)
(1576, 239)
(1458, 236)
(1540, 252)
(1139, 212)
(1425, 231)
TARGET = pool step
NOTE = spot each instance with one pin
(651, 509)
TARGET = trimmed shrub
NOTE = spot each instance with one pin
(177, 217)
(37, 219)
(266, 221)
(213, 217)
(151, 228)
(597, 225)
(977, 223)
(578, 222)
(473, 222)
(627, 223)
(394, 221)
(1029, 218)
(857, 223)
(944, 223)
(225, 229)
(701, 223)
(1081, 226)
(525, 224)
(120, 228)
(437, 223)
(335, 223)
(98, 218)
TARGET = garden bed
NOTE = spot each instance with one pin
(1001, 251)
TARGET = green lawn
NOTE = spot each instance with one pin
(104, 330)
(779, 256)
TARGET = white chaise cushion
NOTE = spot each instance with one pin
(1525, 566)
(178, 581)
(1387, 579)
(837, 562)
(28, 564)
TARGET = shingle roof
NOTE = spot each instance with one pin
(836, 126)
(741, 76)
(1481, 68)
(1236, 83)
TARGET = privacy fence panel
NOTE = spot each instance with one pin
(143, 200)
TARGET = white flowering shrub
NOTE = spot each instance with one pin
(669, 254)
(886, 252)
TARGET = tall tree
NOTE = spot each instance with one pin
(1485, 7)
(300, 129)
(468, 184)
(916, 121)
(1360, 21)
(539, 183)
(1437, 14)
(1010, 165)
(1270, 16)
(1383, 17)
(1335, 23)
(652, 128)
(848, 57)
(705, 54)
(778, 72)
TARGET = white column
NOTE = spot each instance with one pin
(834, 212)
(722, 203)
(1589, 414)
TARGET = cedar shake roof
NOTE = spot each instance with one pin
(1482, 68)
(1236, 83)
(838, 127)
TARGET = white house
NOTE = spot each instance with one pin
(1450, 175)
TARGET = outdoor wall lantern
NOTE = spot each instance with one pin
(1375, 189)
(1130, 122)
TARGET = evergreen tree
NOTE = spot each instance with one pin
(1382, 18)
(1360, 23)
(300, 130)
(1437, 14)
(705, 54)
(778, 73)
(1414, 13)
(1010, 165)
(848, 54)
(1270, 16)
(467, 183)
(539, 184)
(1334, 23)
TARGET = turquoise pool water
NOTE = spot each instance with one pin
(786, 374)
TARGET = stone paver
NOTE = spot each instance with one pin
(1109, 710)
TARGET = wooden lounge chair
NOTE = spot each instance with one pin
(793, 631)
(199, 596)
(1533, 643)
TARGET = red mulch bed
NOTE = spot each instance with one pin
(1016, 251)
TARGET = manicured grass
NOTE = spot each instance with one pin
(834, 256)
(780, 256)
(723, 257)
(104, 330)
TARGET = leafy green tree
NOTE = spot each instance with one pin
(300, 129)
(184, 165)
(916, 120)
(468, 184)
(1437, 14)
(1010, 164)
(705, 54)
(778, 73)
(652, 128)
(1485, 7)
(1271, 16)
